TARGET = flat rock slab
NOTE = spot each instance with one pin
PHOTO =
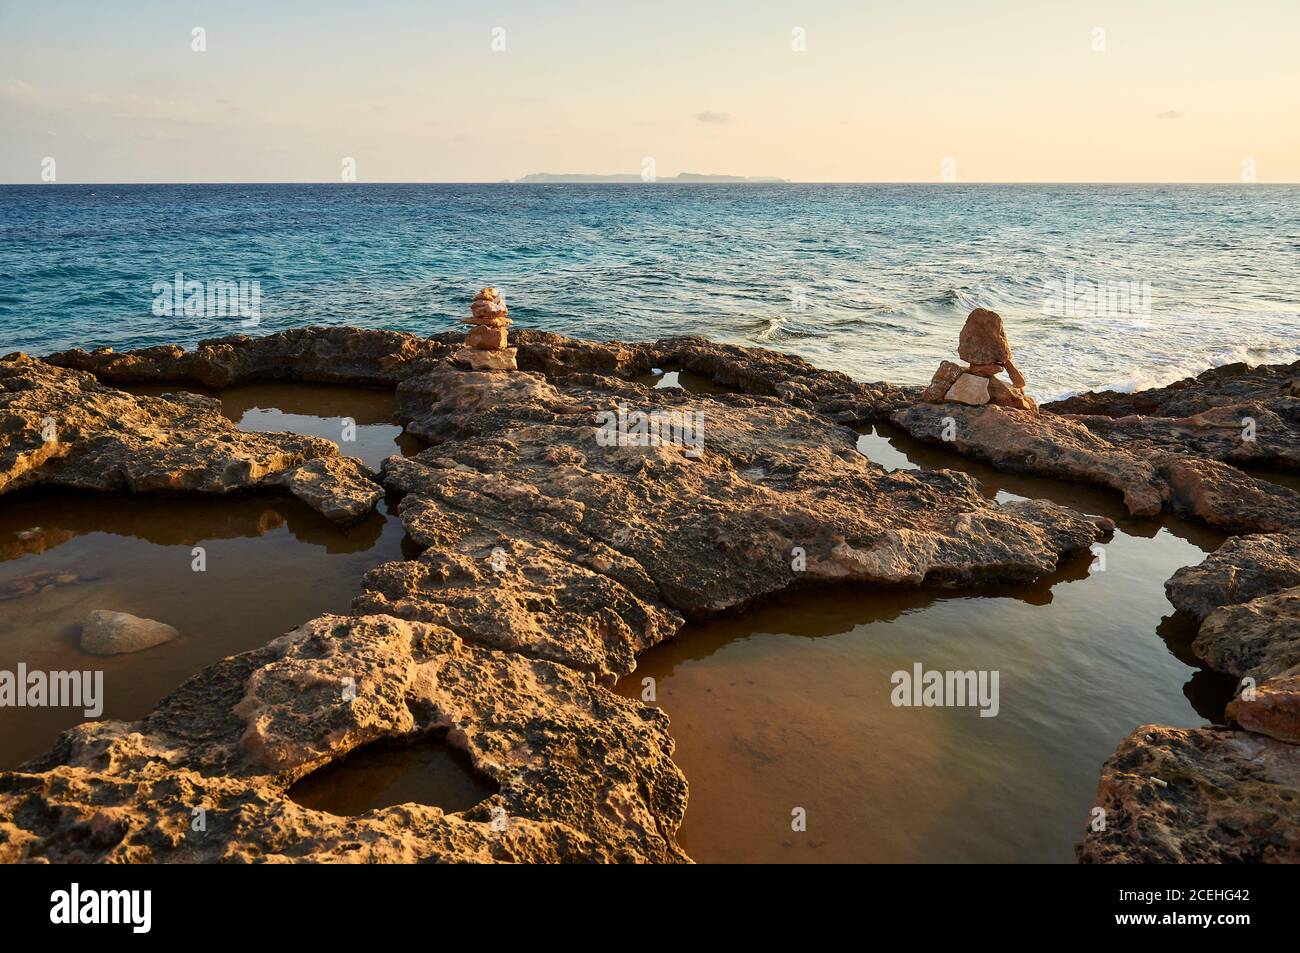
(1151, 480)
(583, 774)
(1197, 796)
(656, 529)
(61, 427)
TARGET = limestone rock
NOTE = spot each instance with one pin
(1197, 796)
(1017, 379)
(331, 355)
(1274, 709)
(478, 360)
(969, 389)
(487, 338)
(983, 339)
(583, 774)
(60, 427)
(341, 488)
(116, 633)
(1004, 396)
(1259, 638)
(942, 381)
(1218, 387)
(1243, 568)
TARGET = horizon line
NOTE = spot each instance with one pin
(670, 180)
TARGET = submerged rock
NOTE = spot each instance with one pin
(117, 633)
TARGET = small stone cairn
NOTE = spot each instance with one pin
(984, 345)
(485, 345)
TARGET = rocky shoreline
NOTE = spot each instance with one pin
(550, 559)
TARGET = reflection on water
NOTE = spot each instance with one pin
(689, 381)
(380, 775)
(788, 706)
(271, 564)
(318, 410)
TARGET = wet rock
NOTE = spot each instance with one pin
(1220, 386)
(984, 339)
(1063, 448)
(1195, 796)
(33, 582)
(60, 427)
(1243, 568)
(1271, 709)
(1041, 445)
(969, 389)
(583, 774)
(1259, 638)
(771, 497)
(1249, 434)
(116, 633)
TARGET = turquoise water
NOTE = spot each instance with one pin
(873, 280)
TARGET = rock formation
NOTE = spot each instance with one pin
(485, 346)
(548, 562)
(61, 427)
(984, 345)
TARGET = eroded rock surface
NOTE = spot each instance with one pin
(61, 427)
(1196, 796)
(1218, 387)
(1243, 568)
(583, 774)
(773, 496)
(1065, 448)
(330, 355)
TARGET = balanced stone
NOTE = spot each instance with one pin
(485, 345)
(983, 339)
(969, 389)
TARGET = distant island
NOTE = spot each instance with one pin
(547, 178)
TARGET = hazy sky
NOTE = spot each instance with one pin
(1184, 90)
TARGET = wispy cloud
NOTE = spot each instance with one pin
(1171, 114)
(714, 118)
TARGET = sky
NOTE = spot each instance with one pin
(487, 90)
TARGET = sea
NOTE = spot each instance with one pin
(1101, 286)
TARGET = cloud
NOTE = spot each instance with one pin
(1171, 114)
(714, 119)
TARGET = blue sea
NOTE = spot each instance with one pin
(1101, 285)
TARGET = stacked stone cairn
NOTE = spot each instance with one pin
(485, 345)
(984, 346)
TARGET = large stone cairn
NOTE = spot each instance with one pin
(485, 345)
(984, 345)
